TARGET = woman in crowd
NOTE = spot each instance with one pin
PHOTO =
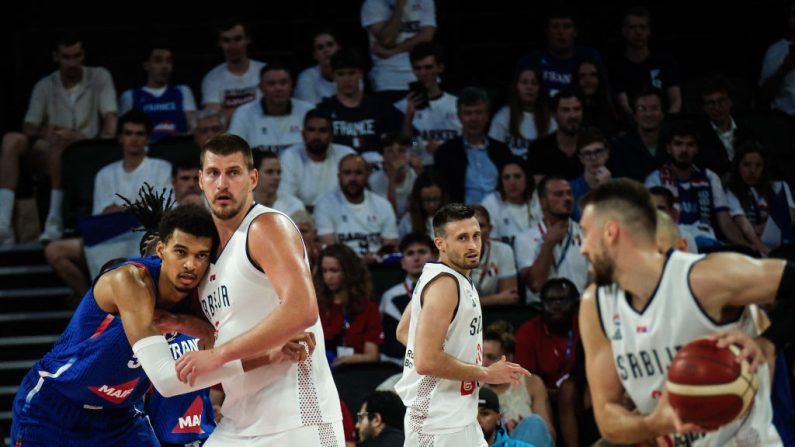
(350, 318)
(598, 108)
(762, 208)
(427, 196)
(513, 207)
(526, 117)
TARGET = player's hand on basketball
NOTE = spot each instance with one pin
(504, 371)
(750, 350)
(193, 364)
(664, 420)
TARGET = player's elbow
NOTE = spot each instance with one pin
(423, 364)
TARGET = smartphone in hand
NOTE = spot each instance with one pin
(419, 89)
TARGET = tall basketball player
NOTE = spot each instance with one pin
(258, 295)
(646, 305)
(442, 368)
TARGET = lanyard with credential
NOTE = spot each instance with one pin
(565, 246)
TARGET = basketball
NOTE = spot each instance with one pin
(707, 386)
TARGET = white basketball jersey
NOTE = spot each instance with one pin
(644, 344)
(235, 296)
(435, 405)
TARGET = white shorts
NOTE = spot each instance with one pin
(469, 436)
(323, 435)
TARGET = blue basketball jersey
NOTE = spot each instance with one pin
(185, 418)
(165, 111)
(92, 364)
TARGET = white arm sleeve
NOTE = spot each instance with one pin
(156, 359)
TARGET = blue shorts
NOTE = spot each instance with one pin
(51, 419)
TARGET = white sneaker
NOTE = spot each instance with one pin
(6, 236)
(53, 229)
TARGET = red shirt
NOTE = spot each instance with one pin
(542, 352)
(364, 327)
(348, 425)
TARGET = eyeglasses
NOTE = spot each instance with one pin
(592, 154)
(362, 414)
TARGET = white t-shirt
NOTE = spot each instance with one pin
(235, 296)
(188, 103)
(312, 87)
(774, 57)
(771, 234)
(496, 263)
(500, 130)
(394, 73)
(437, 122)
(404, 226)
(362, 226)
(435, 405)
(644, 343)
(508, 220)
(298, 169)
(113, 179)
(567, 262)
(270, 132)
(288, 204)
(379, 184)
(232, 91)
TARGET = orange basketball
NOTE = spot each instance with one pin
(707, 386)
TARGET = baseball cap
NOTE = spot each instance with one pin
(488, 398)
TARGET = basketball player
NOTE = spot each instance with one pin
(646, 305)
(442, 368)
(88, 389)
(258, 295)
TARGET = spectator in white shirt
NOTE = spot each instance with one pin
(397, 175)
(267, 189)
(495, 276)
(317, 82)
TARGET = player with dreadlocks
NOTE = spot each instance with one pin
(88, 389)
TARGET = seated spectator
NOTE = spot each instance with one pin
(777, 80)
(513, 207)
(551, 248)
(547, 346)
(663, 200)
(526, 117)
(170, 108)
(274, 122)
(317, 158)
(556, 63)
(125, 178)
(598, 109)
(469, 165)
(306, 225)
(639, 67)
(267, 189)
(354, 216)
(380, 420)
(350, 318)
(397, 175)
(394, 29)
(721, 133)
(437, 121)
(316, 83)
(491, 422)
(209, 123)
(523, 405)
(495, 276)
(556, 153)
(234, 82)
(427, 196)
(358, 120)
(763, 209)
(185, 182)
(698, 195)
(594, 152)
(71, 104)
(640, 150)
(416, 249)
